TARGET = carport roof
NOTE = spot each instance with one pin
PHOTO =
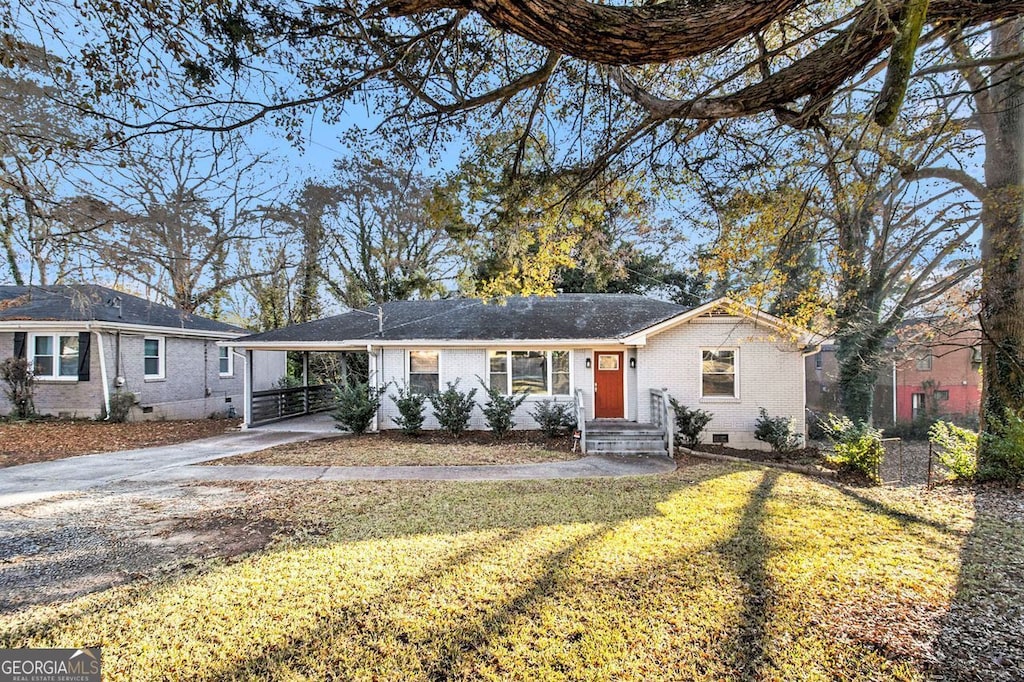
(563, 317)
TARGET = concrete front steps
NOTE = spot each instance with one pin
(619, 437)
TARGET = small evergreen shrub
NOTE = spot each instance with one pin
(453, 408)
(778, 432)
(120, 406)
(957, 449)
(410, 406)
(857, 447)
(357, 406)
(498, 410)
(689, 423)
(16, 373)
(554, 418)
(1003, 448)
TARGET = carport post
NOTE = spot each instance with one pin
(305, 381)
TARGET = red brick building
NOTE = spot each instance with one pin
(940, 377)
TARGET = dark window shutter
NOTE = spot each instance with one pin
(84, 344)
(20, 339)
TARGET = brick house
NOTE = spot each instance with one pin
(615, 357)
(941, 377)
(86, 342)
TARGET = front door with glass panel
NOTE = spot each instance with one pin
(609, 396)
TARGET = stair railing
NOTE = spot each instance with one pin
(662, 417)
(581, 418)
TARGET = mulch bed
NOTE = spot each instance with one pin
(804, 456)
(434, 437)
(24, 442)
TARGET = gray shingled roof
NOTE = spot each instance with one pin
(94, 303)
(566, 316)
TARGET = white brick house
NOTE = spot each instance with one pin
(604, 352)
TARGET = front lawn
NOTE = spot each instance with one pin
(23, 442)
(391, 450)
(715, 572)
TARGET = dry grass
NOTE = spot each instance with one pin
(715, 572)
(376, 450)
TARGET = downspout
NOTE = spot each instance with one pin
(246, 390)
(103, 370)
(894, 413)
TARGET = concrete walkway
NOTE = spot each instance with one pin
(587, 467)
(175, 464)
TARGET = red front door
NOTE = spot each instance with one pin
(609, 402)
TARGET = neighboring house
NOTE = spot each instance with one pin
(940, 377)
(604, 352)
(934, 374)
(85, 342)
(822, 372)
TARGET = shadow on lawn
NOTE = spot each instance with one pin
(444, 650)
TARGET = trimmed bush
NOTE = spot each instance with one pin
(554, 418)
(120, 406)
(778, 432)
(689, 423)
(357, 406)
(17, 374)
(453, 408)
(857, 447)
(957, 449)
(499, 408)
(410, 406)
(1003, 448)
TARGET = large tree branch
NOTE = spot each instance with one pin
(607, 34)
(673, 30)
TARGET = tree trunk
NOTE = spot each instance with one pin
(1002, 292)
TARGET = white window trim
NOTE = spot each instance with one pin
(548, 395)
(735, 397)
(231, 362)
(440, 363)
(30, 356)
(162, 358)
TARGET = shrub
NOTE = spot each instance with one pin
(857, 447)
(17, 374)
(957, 449)
(452, 408)
(777, 432)
(1003, 448)
(499, 408)
(555, 419)
(357, 405)
(410, 406)
(689, 423)
(120, 406)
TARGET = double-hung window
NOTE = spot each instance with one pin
(55, 356)
(534, 372)
(225, 366)
(424, 371)
(153, 360)
(718, 373)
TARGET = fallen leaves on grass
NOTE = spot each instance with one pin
(26, 442)
(378, 450)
